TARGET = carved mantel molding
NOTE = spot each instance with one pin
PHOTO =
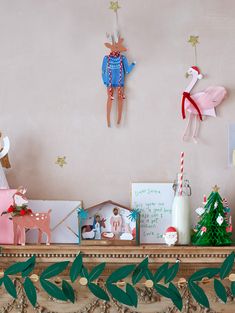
(191, 258)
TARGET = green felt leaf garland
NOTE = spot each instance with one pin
(30, 291)
(227, 266)
(98, 292)
(198, 294)
(124, 293)
(68, 291)
(76, 268)
(54, 270)
(220, 290)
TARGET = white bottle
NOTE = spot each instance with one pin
(181, 212)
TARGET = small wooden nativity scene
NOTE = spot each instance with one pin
(109, 223)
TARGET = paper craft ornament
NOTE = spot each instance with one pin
(203, 230)
(220, 220)
(23, 218)
(213, 229)
(199, 104)
(228, 217)
(4, 160)
(200, 211)
(115, 67)
(171, 236)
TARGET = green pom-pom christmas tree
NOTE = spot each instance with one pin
(213, 228)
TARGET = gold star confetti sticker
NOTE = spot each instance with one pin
(193, 40)
(114, 6)
(61, 161)
(215, 188)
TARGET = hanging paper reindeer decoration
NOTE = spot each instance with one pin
(4, 160)
(199, 104)
(114, 69)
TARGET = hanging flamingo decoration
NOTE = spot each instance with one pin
(199, 104)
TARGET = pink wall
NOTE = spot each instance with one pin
(53, 101)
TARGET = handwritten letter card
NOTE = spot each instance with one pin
(154, 202)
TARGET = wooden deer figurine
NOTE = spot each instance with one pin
(23, 218)
(114, 68)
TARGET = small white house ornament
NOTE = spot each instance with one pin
(171, 236)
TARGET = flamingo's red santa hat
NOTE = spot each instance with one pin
(195, 68)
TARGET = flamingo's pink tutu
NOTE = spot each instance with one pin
(206, 100)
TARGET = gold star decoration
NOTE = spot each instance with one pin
(193, 40)
(114, 6)
(215, 188)
(61, 161)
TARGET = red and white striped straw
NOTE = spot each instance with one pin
(181, 172)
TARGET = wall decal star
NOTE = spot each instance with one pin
(61, 161)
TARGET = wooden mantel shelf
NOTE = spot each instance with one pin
(118, 254)
(191, 258)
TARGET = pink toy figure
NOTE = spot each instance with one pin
(199, 104)
(40, 221)
(116, 223)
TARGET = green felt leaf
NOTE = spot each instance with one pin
(1, 281)
(233, 288)
(15, 268)
(220, 290)
(160, 272)
(52, 290)
(139, 271)
(54, 269)
(9, 286)
(164, 291)
(97, 271)
(76, 268)
(198, 294)
(29, 266)
(132, 294)
(172, 272)
(226, 266)
(68, 291)
(120, 273)
(98, 291)
(119, 295)
(205, 272)
(30, 291)
(84, 272)
(148, 274)
(176, 299)
(137, 276)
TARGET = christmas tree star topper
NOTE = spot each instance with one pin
(114, 6)
(215, 188)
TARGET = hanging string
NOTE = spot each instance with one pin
(194, 40)
(114, 6)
